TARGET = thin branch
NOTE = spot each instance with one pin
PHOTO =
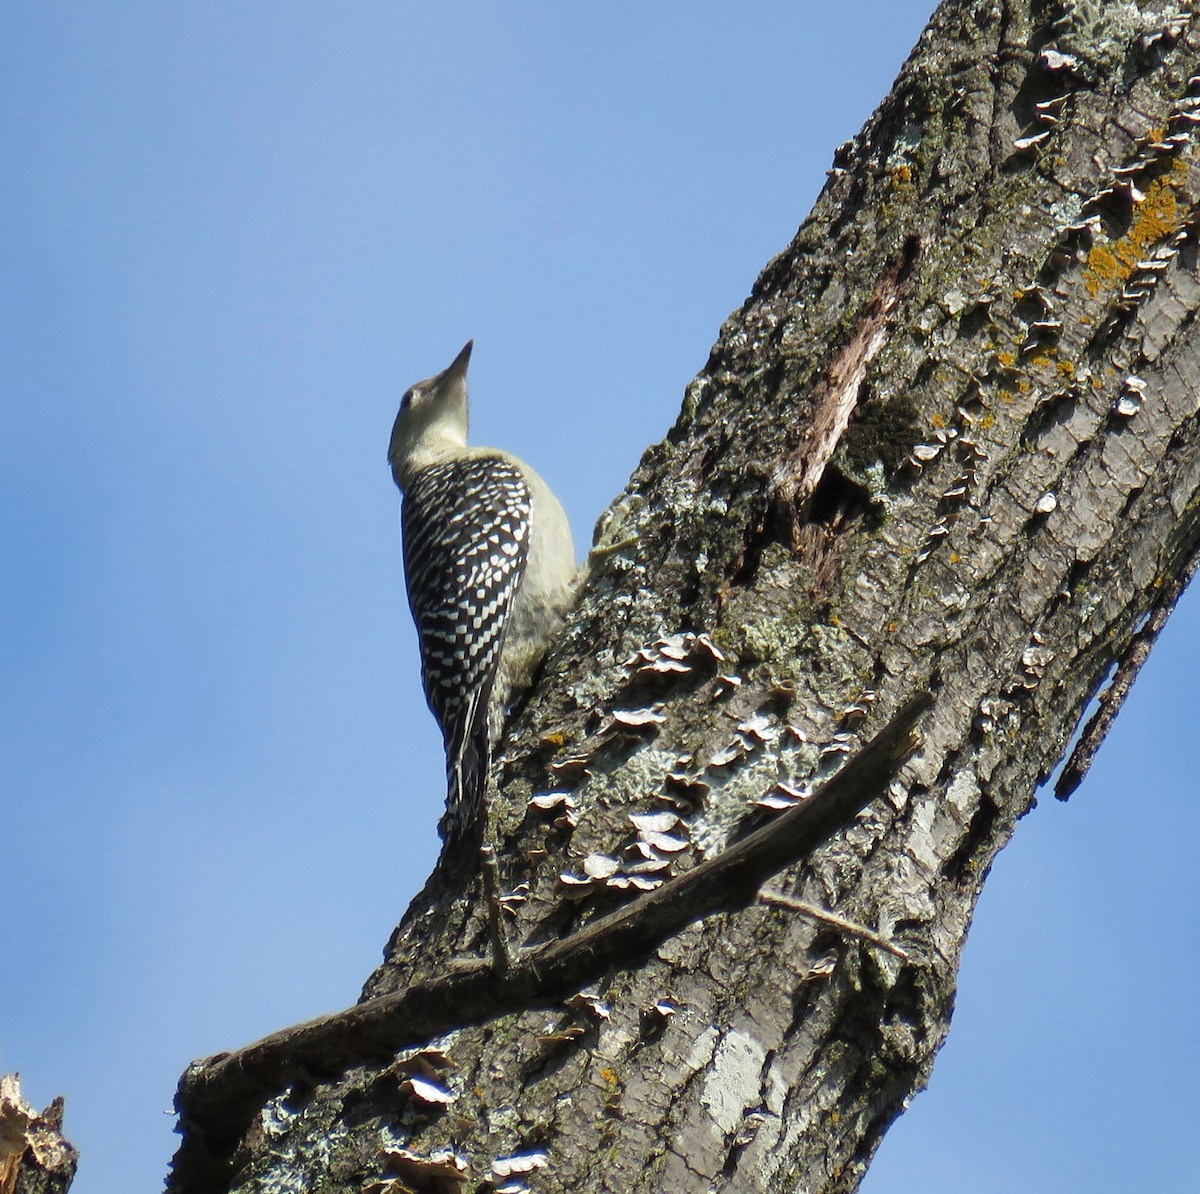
(219, 1097)
(779, 899)
(1113, 697)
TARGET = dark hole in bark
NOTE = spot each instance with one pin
(979, 830)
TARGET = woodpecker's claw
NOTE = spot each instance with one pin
(608, 539)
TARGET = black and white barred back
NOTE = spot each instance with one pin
(466, 541)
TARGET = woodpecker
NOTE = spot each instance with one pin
(490, 568)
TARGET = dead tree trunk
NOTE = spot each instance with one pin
(35, 1157)
(948, 446)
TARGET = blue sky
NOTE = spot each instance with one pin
(233, 234)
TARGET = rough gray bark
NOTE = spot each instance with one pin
(948, 445)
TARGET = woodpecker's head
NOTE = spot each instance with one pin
(432, 419)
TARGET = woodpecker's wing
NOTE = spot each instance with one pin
(466, 542)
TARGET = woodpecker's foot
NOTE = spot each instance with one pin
(609, 539)
(611, 549)
(502, 961)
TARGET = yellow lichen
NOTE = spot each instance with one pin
(1104, 270)
(1156, 217)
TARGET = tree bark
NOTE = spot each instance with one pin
(948, 446)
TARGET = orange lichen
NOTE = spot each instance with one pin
(1104, 270)
(1156, 217)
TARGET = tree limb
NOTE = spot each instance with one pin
(218, 1097)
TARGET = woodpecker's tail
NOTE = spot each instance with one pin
(468, 761)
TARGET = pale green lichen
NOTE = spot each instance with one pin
(732, 799)
(303, 1147)
(1102, 34)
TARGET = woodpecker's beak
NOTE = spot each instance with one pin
(458, 367)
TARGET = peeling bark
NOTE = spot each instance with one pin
(972, 469)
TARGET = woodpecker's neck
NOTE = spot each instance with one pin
(435, 445)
